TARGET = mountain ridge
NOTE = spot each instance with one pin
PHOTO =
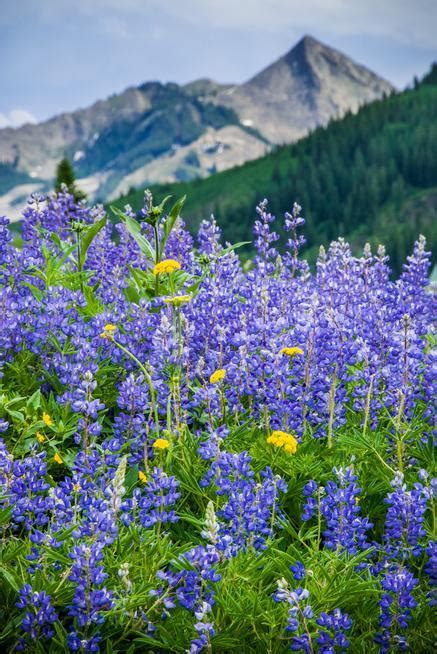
(168, 132)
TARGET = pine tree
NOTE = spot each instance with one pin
(65, 175)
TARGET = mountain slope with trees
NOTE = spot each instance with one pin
(369, 176)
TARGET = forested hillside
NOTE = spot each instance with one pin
(369, 176)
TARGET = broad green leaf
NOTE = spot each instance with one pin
(170, 222)
(89, 235)
(134, 229)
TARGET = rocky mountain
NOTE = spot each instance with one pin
(168, 132)
(303, 89)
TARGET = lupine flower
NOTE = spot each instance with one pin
(331, 635)
(396, 605)
(404, 520)
(39, 617)
(155, 501)
(338, 505)
(91, 599)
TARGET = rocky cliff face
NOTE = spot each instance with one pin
(166, 132)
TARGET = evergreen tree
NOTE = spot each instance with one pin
(65, 175)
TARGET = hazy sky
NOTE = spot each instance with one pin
(59, 55)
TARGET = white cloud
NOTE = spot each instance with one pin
(16, 118)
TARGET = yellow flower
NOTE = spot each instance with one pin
(291, 351)
(161, 444)
(282, 439)
(217, 376)
(177, 300)
(39, 437)
(166, 266)
(142, 477)
(76, 487)
(58, 459)
(108, 331)
(47, 420)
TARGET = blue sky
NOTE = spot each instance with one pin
(59, 55)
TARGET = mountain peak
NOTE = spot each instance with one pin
(307, 41)
(304, 88)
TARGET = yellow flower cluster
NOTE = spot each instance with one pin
(108, 331)
(40, 437)
(291, 351)
(142, 477)
(47, 420)
(58, 459)
(217, 376)
(161, 444)
(166, 266)
(282, 439)
(177, 300)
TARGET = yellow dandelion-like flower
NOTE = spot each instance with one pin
(76, 487)
(166, 266)
(161, 444)
(58, 459)
(47, 420)
(280, 438)
(217, 376)
(108, 331)
(142, 477)
(39, 437)
(177, 300)
(291, 351)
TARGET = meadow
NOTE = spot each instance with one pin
(204, 455)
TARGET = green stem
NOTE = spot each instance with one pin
(147, 378)
(367, 408)
(332, 408)
(155, 229)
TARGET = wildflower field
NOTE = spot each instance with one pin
(204, 455)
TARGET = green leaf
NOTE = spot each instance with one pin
(233, 247)
(131, 477)
(170, 222)
(34, 401)
(10, 579)
(89, 235)
(134, 229)
(36, 292)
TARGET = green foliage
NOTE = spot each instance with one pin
(65, 175)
